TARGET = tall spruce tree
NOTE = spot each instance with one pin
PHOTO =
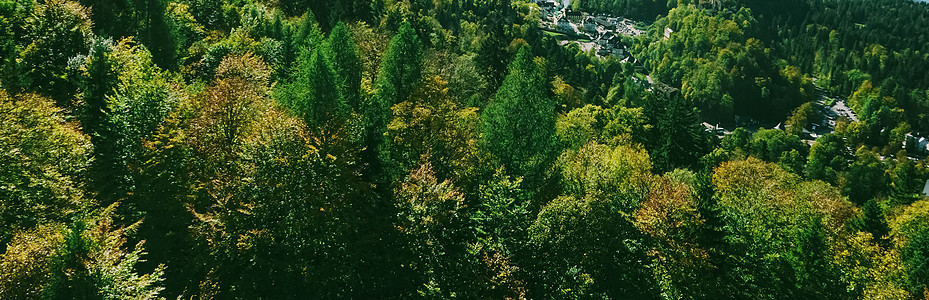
(343, 58)
(322, 103)
(401, 68)
(518, 127)
(400, 74)
(680, 139)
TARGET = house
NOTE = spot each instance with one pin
(667, 32)
(603, 21)
(714, 129)
(590, 25)
(619, 51)
(659, 88)
(565, 26)
(919, 144)
(807, 134)
(575, 17)
(605, 39)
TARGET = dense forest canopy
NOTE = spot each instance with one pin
(472, 149)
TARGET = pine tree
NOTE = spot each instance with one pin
(155, 33)
(400, 74)
(322, 104)
(70, 278)
(872, 220)
(97, 85)
(681, 140)
(343, 58)
(518, 127)
(401, 68)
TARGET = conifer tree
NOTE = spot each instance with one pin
(343, 58)
(322, 102)
(401, 68)
(400, 73)
(518, 127)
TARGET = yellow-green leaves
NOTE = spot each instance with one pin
(621, 173)
(911, 234)
(42, 165)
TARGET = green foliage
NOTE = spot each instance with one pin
(737, 141)
(670, 216)
(865, 178)
(828, 156)
(400, 73)
(815, 36)
(719, 66)
(152, 22)
(253, 158)
(612, 126)
(401, 68)
(518, 127)
(679, 139)
(579, 126)
(27, 260)
(799, 119)
(466, 83)
(454, 149)
(56, 32)
(871, 270)
(429, 127)
(209, 13)
(587, 249)
(872, 220)
(87, 260)
(346, 65)
(619, 174)
(906, 181)
(780, 223)
(42, 172)
(431, 218)
(772, 144)
(206, 55)
(70, 278)
(126, 97)
(93, 263)
(229, 107)
(13, 16)
(791, 161)
(501, 223)
(912, 234)
(503, 214)
(644, 9)
(314, 95)
(183, 26)
(603, 186)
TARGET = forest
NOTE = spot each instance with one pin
(395, 149)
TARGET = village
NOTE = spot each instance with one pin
(600, 32)
(603, 33)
